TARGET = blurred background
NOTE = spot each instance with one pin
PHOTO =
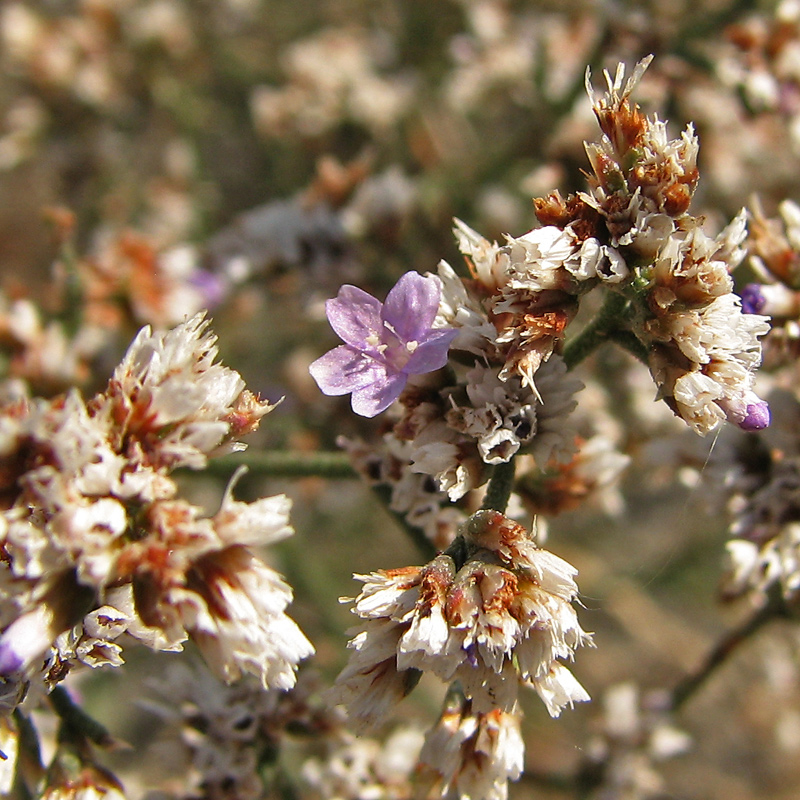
(250, 156)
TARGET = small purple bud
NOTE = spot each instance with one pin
(757, 417)
(212, 287)
(753, 300)
(10, 661)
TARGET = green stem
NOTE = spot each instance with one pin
(687, 688)
(628, 341)
(500, 486)
(77, 720)
(285, 464)
(609, 319)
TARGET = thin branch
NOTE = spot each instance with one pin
(686, 688)
(77, 720)
(29, 768)
(285, 464)
(426, 547)
(500, 486)
(628, 341)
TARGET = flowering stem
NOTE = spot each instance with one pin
(286, 464)
(685, 690)
(500, 485)
(601, 328)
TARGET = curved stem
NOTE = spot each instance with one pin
(500, 485)
(687, 687)
(609, 319)
(285, 464)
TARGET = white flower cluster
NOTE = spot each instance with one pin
(470, 754)
(507, 391)
(491, 613)
(702, 349)
(455, 425)
(97, 543)
(764, 550)
(455, 431)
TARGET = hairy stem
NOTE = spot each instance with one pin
(628, 341)
(285, 464)
(500, 485)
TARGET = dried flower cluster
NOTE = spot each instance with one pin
(492, 612)
(97, 543)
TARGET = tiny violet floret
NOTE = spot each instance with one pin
(753, 300)
(750, 413)
(384, 343)
(757, 417)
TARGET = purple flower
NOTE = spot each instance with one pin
(757, 417)
(750, 412)
(384, 343)
(753, 300)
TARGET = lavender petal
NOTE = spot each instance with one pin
(354, 315)
(431, 353)
(10, 661)
(344, 370)
(411, 305)
(369, 401)
(753, 300)
(757, 417)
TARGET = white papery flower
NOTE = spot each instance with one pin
(460, 310)
(595, 260)
(485, 624)
(501, 415)
(469, 754)
(490, 260)
(233, 608)
(537, 260)
(170, 396)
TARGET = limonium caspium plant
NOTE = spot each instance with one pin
(635, 330)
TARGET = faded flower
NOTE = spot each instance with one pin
(98, 544)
